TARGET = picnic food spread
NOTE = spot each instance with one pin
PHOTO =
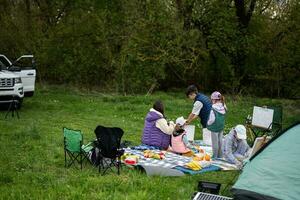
(130, 159)
(151, 154)
(201, 156)
(194, 165)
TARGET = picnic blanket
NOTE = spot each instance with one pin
(172, 162)
(143, 147)
(224, 165)
(210, 168)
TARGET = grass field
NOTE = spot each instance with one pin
(32, 158)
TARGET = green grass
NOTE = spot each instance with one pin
(32, 159)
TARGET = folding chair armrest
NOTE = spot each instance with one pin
(87, 147)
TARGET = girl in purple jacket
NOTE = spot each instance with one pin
(157, 131)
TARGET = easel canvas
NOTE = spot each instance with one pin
(262, 117)
(258, 144)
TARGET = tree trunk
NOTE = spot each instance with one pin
(244, 16)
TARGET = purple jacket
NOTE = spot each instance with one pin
(152, 135)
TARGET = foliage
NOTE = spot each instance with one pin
(245, 46)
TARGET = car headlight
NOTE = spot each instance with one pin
(18, 80)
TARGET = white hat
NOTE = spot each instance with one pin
(180, 121)
(241, 132)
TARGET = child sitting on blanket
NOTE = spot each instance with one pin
(179, 141)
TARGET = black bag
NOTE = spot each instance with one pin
(94, 155)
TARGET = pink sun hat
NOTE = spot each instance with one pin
(216, 95)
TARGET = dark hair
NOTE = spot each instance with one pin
(191, 89)
(159, 106)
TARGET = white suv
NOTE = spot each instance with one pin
(17, 79)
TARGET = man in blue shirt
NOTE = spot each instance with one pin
(201, 107)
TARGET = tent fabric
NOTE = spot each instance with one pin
(248, 195)
(275, 171)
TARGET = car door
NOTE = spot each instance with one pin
(27, 73)
(5, 61)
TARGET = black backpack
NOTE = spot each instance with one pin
(93, 155)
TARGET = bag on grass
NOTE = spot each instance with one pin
(94, 156)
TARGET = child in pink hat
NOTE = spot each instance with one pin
(216, 122)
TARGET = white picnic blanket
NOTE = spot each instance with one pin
(171, 160)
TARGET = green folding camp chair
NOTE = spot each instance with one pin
(73, 147)
(271, 128)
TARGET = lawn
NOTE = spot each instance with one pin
(32, 158)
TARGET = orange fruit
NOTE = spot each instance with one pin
(207, 157)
